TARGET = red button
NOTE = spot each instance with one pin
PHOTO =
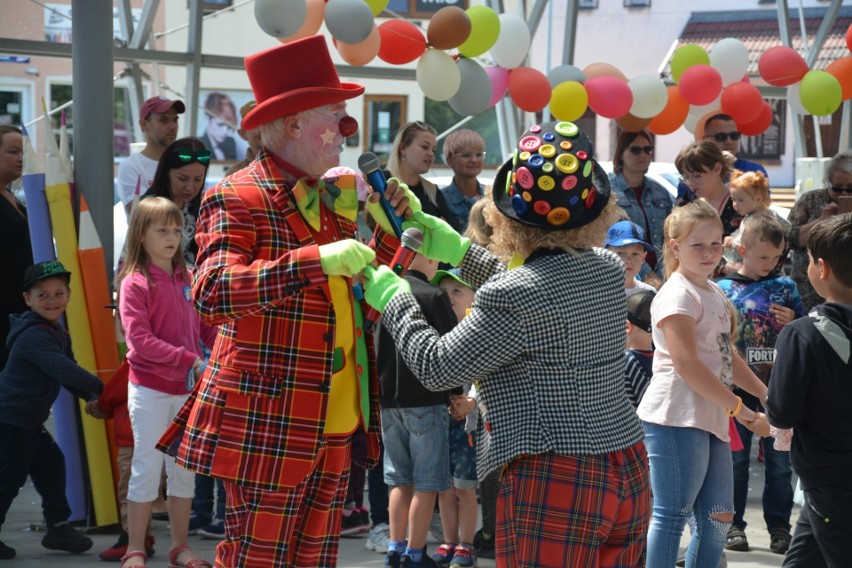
(541, 207)
(525, 178)
(359, 369)
(569, 182)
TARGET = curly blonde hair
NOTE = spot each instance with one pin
(753, 183)
(511, 237)
(478, 230)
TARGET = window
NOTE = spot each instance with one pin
(61, 93)
(383, 115)
(11, 106)
(637, 3)
(588, 4)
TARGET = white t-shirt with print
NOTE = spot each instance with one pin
(138, 168)
(669, 400)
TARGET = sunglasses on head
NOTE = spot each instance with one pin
(840, 188)
(636, 150)
(722, 136)
(186, 156)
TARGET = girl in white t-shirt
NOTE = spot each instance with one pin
(686, 407)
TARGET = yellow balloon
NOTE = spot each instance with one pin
(484, 30)
(569, 101)
(377, 6)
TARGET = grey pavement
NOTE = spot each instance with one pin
(25, 511)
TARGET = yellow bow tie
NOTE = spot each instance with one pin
(340, 198)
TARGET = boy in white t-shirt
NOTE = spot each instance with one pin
(627, 240)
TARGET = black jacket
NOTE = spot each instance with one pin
(811, 391)
(40, 361)
(399, 386)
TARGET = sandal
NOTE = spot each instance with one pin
(736, 540)
(134, 554)
(194, 563)
(779, 540)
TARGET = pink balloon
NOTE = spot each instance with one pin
(700, 84)
(499, 78)
(609, 97)
(781, 66)
(742, 102)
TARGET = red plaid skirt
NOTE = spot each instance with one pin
(298, 528)
(578, 511)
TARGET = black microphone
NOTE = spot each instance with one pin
(410, 242)
(368, 163)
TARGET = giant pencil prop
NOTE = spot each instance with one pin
(94, 433)
(64, 409)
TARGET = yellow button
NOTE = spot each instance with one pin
(546, 183)
(523, 156)
(547, 167)
(548, 150)
(567, 163)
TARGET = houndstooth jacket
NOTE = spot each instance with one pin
(546, 343)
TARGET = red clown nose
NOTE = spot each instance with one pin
(348, 126)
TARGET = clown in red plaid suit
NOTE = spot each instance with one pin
(292, 375)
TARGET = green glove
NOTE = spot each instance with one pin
(376, 212)
(345, 258)
(381, 285)
(440, 241)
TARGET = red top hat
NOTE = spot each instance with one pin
(294, 77)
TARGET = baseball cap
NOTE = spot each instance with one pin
(160, 105)
(639, 309)
(42, 271)
(441, 274)
(626, 233)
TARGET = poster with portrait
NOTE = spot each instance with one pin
(218, 122)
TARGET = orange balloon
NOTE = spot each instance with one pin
(842, 71)
(313, 21)
(529, 89)
(630, 123)
(603, 70)
(672, 116)
(361, 53)
(448, 28)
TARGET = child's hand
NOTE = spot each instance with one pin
(782, 315)
(461, 406)
(93, 409)
(759, 426)
(728, 242)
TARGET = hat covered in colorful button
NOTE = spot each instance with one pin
(290, 78)
(552, 181)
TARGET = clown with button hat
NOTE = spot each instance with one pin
(545, 341)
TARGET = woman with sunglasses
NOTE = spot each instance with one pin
(411, 156)
(812, 208)
(180, 178)
(645, 201)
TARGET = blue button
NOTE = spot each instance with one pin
(549, 136)
(535, 161)
(519, 205)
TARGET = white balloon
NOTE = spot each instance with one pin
(513, 43)
(701, 110)
(280, 18)
(563, 73)
(794, 101)
(349, 21)
(438, 75)
(691, 122)
(730, 58)
(649, 96)
(474, 92)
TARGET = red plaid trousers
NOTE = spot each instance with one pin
(297, 528)
(578, 511)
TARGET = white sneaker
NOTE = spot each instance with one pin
(378, 538)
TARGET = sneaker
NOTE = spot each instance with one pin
(436, 528)
(196, 522)
(484, 546)
(65, 537)
(405, 561)
(463, 557)
(779, 540)
(736, 539)
(215, 530)
(6, 552)
(354, 523)
(392, 559)
(117, 550)
(444, 555)
(378, 538)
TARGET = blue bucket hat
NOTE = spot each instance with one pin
(625, 233)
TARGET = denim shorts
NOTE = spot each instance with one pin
(462, 456)
(416, 447)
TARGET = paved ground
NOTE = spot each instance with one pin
(26, 510)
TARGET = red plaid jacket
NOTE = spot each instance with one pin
(257, 416)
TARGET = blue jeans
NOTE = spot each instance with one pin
(417, 450)
(778, 487)
(690, 473)
(202, 504)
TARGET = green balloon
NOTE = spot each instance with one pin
(820, 93)
(377, 6)
(686, 56)
(484, 29)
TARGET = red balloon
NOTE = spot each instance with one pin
(842, 71)
(609, 97)
(742, 102)
(402, 42)
(849, 37)
(781, 66)
(672, 116)
(700, 84)
(759, 124)
(529, 89)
